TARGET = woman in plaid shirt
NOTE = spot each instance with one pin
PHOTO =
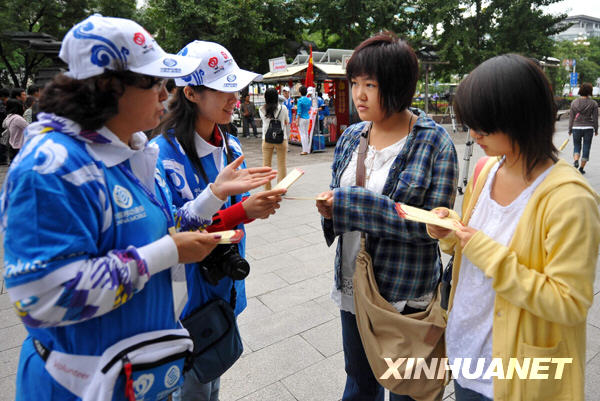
(410, 159)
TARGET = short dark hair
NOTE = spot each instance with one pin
(14, 106)
(16, 92)
(586, 89)
(393, 64)
(32, 89)
(302, 90)
(4, 92)
(511, 94)
(29, 102)
(93, 101)
(170, 85)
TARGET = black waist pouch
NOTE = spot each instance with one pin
(217, 341)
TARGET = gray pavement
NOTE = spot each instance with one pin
(291, 328)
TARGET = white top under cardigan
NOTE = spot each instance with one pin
(469, 330)
(377, 169)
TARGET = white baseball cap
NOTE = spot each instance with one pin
(98, 43)
(218, 70)
(285, 89)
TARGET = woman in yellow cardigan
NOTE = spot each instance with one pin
(525, 259)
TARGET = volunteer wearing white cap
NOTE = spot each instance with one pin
(194, 147)
(289, 101)
(89, 265)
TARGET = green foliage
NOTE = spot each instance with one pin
(463, 32)
(587, 58)
(475, 30)
(54, 17)
(252, 30)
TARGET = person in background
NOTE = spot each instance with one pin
(410, 159)
(288, 102)
(171, 88)
(323, 111)
(34, 90)
(269, 111)
(15, 124)
(4, 94)
(525, 252)
(194, 147)
(18, 93)
(248, 110)
(29, 104)
(583, 125)
(90, 239)
(302, 112)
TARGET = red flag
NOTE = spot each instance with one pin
(310, 76)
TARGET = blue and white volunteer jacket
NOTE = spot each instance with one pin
(86, 251)
(185, 185)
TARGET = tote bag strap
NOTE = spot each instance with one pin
(362, 155)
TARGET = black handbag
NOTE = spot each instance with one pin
(216, 337)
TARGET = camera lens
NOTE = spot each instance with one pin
(234, 265)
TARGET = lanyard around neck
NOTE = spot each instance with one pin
(162, 205)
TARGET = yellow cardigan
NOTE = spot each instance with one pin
(543, 281)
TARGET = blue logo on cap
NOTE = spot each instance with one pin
(169, 62)
(231, 77)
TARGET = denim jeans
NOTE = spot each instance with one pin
(586, 135)
(361, 384)
(464, 394)
(246, 123)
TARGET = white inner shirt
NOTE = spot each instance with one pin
(377, 169)
(469, 330)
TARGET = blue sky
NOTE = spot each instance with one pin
(576, 7)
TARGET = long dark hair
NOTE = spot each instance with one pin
(271, 102)
(511, 94)
(181, 123)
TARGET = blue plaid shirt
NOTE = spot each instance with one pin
(424, 174)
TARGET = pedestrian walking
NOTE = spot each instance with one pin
(583, 125)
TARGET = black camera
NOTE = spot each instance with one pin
(224, 260)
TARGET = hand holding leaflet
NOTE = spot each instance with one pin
(230, 236)
(425, 216)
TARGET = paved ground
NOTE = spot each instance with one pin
(291, 328)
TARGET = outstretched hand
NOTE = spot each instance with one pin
(325, 207)
(263, 204)
(233, 181)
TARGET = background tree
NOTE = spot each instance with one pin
(475, 30)
(253, 30)
(54, 17)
